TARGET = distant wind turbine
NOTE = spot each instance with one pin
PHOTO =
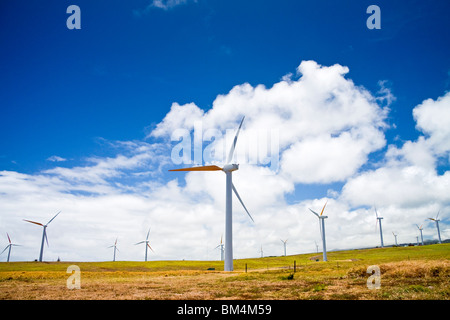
(44, 234)
(284, 244)
(381, 230)
(395, 235)
(228, 169)
(420, 229)
(322, 230)
(437, 226)
(262, 253)
(147, 245)
(115, 248)
(220, 246)
(9, 247)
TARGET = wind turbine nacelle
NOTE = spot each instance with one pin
(230, 167)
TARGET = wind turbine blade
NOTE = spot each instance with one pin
(38, 223)
(314, 212)
(376, 211)
(148, 234)
(8, 237)
(139, 242)
(5, 249)
(437, 214)
(53, 218)
(203, 168)
(233, 146)
(432, 219)
(237, 195)
(150, 248)
(323, 207)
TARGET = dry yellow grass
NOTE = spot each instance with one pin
(342, 278)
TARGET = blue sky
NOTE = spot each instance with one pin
(78, 95)
(120, 73)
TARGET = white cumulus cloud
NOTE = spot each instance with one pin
(325, 127)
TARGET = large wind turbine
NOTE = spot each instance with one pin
(9, 247)
(228, 169)
(221, 245)
(115, 248)
(44, 233)
(147, 245)
(437, 226)
(381, 230)
(420, 229)
(284, 243)
(322, 230)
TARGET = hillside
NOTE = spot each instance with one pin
(405, 273)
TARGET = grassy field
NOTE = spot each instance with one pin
(405, 273)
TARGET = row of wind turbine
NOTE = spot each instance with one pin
(436, 220)
(227, 248)
(146, 241)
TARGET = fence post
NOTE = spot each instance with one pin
(295, 266)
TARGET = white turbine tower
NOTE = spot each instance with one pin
(395, 235)
(44, 234)
(420, 229)
(147, 245)
(437, 226)
(262, 253)
(9, 247)
(220, 246)
(284, 244)
(115, 249)
(322, 230)
(228, 169)
(381, 230)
